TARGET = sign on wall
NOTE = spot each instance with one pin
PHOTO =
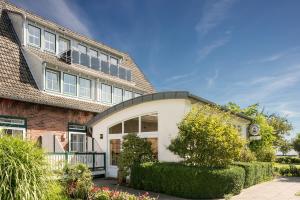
(254, 132)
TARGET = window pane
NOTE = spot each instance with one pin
(84, 87)
(104, 57)
(52, 80)
(116, 129)
(149, 123)
(34, 35)
(106, 93)
(49, 41)
(77, 142)
(154, 146)
(127, 95)
(93, 53)
(113, 61)
(115, 148)
(13, 132)
(64, 45)
(118, 95)
(122, 73)
(82, 48)
(131, 126)
(70, 84)
(128, 75)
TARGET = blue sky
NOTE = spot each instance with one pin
(226, 50)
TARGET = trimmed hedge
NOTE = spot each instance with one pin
(256, 172)
(288, 170)
(288, 160)
(187, 181)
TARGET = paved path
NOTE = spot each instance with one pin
(279, 189)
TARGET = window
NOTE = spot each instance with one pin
(77, 142)
(106, 93)
(52, 80)
(131, 125)
(118, 95)
(64, 45)
(154, 146)
(85, 88)
(70, 84)
(127, 95)
(128, 75)
(149, 123)
(13, 132)
(13, 126)
(34, 35)
(82, 49)
(115, 148)
(116, 129)
(104, 57)
(93, 53)
(113, 61)
(49, 41)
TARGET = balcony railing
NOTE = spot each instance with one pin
(76, 57)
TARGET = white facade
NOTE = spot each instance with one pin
(169, 111)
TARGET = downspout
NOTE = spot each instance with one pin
(23, 23)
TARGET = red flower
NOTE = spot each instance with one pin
(105, 188)
(96, 189)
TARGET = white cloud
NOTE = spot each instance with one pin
(215, 12)
(211, 80)
(207, 50)
(67, 14)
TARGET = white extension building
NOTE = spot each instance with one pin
(155, 117)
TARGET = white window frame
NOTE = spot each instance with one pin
(124, 93)
(15, 128)
(49, 41)
(83, 46)
(65, 40)
(34, 36)
(69, 85)
(77, 133)
(46, 80)
(102, 94)
(95, 51)
(114, 95)
(85, 88)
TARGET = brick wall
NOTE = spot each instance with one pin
(42, 119)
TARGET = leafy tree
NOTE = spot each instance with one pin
(296, 143)
(135, 150)
(207, 138)
(285, 146)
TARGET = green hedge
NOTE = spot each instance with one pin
(288, 160)
(188, 182)
(288, 170)
(256, 172)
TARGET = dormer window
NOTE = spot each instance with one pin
(70, 84)
(34, 36)
(52, 80)
(50, 41)
(64, 45)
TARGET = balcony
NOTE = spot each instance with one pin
(76, 57)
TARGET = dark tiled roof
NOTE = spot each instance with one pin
(16, 81)
(154, 97)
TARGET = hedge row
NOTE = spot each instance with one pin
(288, 170)
(288, 160)
(256, 172)
(186, 181)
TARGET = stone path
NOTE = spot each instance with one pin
(279, 189)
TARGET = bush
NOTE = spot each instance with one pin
(188, 181)
(246, 156)
(24, 173)
(77, 180)
(265, 154)
(207, 138)
(288, 160)
(288, 170)
(56, 191)
(135, 150)
(256, 172)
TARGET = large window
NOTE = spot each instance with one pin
(116, 129)
(52, 80)
(93, 53)
(77, 142)
(149, 123)
(64, 45)
(115, 148)
(131, 125)
(70, 84)
(106, 93)
(84, 88)
(34, 35)
(127, 95)
(49, 41)
(113, 61)
(118, 95)
(82, 49)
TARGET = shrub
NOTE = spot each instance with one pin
(288, 170)
(24, 173)
(56, 191)
(188, 181)
(135, 150)
(265, 154)
(288, 160)
(296, 143)
(246, 156)
(77, 180)
(256, 172)
(207, 138)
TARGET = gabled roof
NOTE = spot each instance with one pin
(16, 81)
(155, 97)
